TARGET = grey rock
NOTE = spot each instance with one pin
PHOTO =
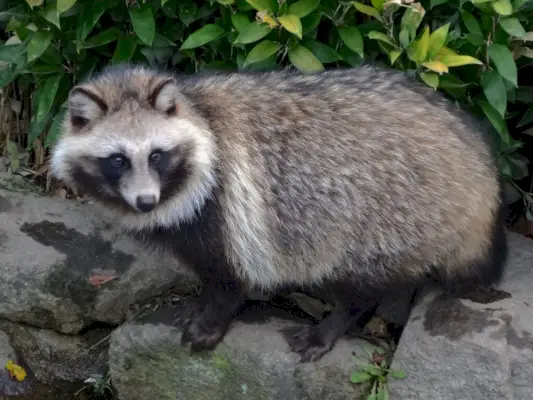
(51, 247)
(51, 357)
(8, 385)
(470, 350)
(146, 360)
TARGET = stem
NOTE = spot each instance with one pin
(489, 40)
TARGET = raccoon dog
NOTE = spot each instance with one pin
(355, 181)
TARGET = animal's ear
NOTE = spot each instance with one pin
(85, 106)
(164, 96)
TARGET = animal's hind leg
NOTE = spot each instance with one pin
(353, 308)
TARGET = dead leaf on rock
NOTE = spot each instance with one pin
(15, 371)
(61, 193)
(376, 327)
(99, 280)
(377, 358)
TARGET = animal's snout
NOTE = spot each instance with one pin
(146, 203)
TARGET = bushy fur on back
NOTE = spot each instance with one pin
(355, 164)
(358, 175)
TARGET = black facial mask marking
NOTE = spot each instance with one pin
(114, 167)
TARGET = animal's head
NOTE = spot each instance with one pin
(132, 141)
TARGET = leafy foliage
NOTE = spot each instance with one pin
(477, 51)
(375, 371)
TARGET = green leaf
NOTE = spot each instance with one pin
(363, 8)
(524, 94)
(476, 40)
(494, 89)
(240, 21)
(435, 3)
(502, 7)
(451, 59)
(253, 32)
(410, 21)
(86, 68)
(143, 22)
(261, 51)
(378, 4)
(352, 38)
(55, 128)
(517, 4)
(496, 120)
(381, 37)
(64, 5)
(436, 66)
(10, 52)
(304, 60)
(393, 55)
(162, 41)
(261, 5)
(361, 362)
(471, 23)
(513, 27)
(102, 38)
(17, 13)
(226, 2)
(35, 3)
(124, 49)
(88, 18)
(457, 60)
(47, 96)
(44, 69)
(404, 38)
(418, 49)
(397, 374)
(372, 370)
(437, 40)
(323, 52)
(303, 8)
(383, 394)
(38, 45)
(36, 128)
(49, 13)
(292, 24)
(430, 78)
(311, 22)
(527, 118)
(204, 35)
(6, 76)
(359, 377)
(503, 60)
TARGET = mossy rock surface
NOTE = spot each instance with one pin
(253, 362)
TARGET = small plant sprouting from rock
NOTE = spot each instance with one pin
(375, 371)
(98, 387)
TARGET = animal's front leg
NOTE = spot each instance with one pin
(208, 319)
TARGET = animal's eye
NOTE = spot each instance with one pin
(155, 157)
(117, 160)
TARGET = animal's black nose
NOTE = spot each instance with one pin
(146, 203)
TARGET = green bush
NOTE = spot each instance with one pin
(474, 50)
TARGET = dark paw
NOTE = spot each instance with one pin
(310, 344)
(203, 335)
(186, 311)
